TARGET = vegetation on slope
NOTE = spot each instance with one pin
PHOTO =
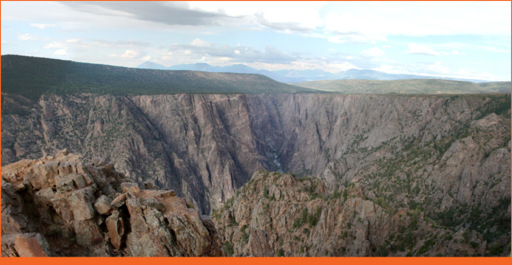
(32, 77)
(299, 217)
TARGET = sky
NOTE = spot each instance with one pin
(468, 40)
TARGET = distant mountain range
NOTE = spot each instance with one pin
(295, 76)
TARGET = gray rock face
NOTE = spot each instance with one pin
(207, 146)
(47, 212)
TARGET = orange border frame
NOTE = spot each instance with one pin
(257, 260)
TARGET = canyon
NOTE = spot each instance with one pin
(207, 146)
(442, 158)
(282, 170)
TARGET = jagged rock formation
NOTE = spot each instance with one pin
(59, 206)
(207, 146)
(277, 214)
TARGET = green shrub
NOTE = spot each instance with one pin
(297, 223)
(426, 247)
(245, 236)
(495, 250)
(265, 192)
(228, 248)
(304, 216)
(313, 219)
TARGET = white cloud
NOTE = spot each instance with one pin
(54, 45)
(494, 49)
(337, 67)
(453, 52)
(336, 39)
(130, 54)
(42, 26)
(304, 64)
(375, 20)
(354, 21)
(200, 43)
(415, 48)
(373, 52)
(457, 52)
(146, 58)
(167, 56)
(26, 36)
(278, 15)
(386, 68)
(346, 26)
(61, 52)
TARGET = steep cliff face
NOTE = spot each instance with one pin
(59, 206)
(202, 146)
(206, 146)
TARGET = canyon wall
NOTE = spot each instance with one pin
(207, 146)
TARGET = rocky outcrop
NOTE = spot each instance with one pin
(60, 206)
(277, 214)
(207, 146)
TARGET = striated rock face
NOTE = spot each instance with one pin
(277, 214)
(59, 206)
(441, 148)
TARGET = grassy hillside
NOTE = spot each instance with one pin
(410, 86)
(32, 77)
